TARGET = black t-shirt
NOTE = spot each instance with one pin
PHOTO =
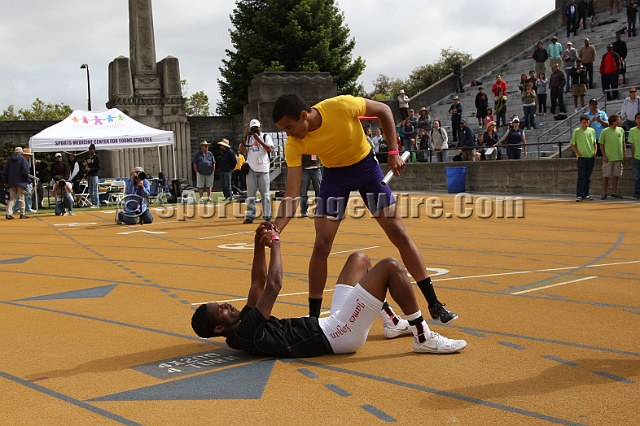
(289, 338)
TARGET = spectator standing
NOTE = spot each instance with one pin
(92, 168)
(634, 140)
(555, 52)
(587, 55)
(522, 85)
(499, 84)
(60, 168)
(439, 141)
(632, 14)
(569, 57)
(311, 175)
(403, 104)
(609, 68)
(238, 177)
(529, 102)
(456, 115)
(571, 13)
(583, 144)
(408, 136)
(557, 82)
(611, 2)
(532, 79)
(620, 47)
(412, 117)
(423, 144)
(228, 162)
(489, 117)
(204, 165)
(376, 140)
(598, 120)
(583, 12)
(579, 79)
(541, 92)
(613, 152)
(457, 76)
(424, 120)
(500, 106)
(630, 108)
(540, 56)
(15, 176)
(75, 177)
(515, 139)
(467, 143)
(258, 146)
(490, 139)
(482, 102)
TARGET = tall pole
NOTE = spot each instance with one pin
(88, 85)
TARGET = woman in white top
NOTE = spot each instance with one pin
(439, 141)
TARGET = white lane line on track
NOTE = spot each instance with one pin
(225, 235)
(555, 285)
(537, 271)
(347, 251)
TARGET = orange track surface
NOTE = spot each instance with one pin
(96, 322)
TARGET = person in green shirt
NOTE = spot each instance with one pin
(634, 140)
(583, 143)
(613, 152)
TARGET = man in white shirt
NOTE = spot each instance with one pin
(257, 146)
(63, 194)
(630, 108)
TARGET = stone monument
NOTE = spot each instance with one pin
(150, 93)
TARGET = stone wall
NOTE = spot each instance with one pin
(556, 177)
(20, 131)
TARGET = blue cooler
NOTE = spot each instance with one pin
(455, 179)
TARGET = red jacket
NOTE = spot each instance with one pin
(610, 63)
(499, 85)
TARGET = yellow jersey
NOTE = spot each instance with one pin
(339, 141)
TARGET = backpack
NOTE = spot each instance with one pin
(4, 196)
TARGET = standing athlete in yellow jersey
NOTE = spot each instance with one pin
(332, 130)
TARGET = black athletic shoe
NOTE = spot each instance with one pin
(441, 313)
(247, 221)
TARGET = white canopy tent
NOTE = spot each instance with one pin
(107, 130)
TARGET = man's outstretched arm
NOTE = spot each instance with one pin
(267, 299)
(385, 117)
(291, 199)
(258, 271)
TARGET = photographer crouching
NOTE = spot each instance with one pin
(63, 194)
(137, 192)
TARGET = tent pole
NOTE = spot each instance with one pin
(175, 173)
(159, 161)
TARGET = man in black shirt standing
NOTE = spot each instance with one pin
(357, 300)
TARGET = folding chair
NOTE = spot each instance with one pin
(116, 192)
(83, 198)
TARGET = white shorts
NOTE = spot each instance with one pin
(353, 311)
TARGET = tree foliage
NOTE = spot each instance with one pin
(38, 111)
(197, 104)
(286, 35)
(421, 77)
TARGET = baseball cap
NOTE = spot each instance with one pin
(138, 169)
(58, 154)
(593, 102)
(463, 121)
(254, 123)
(515, 119)
(17, 150)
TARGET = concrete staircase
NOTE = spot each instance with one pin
(552, 135)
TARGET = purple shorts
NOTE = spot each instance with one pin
(364, 177)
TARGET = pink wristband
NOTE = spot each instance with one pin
(394, 152)
(275, 238)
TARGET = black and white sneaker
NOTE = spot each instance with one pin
(616, 195)
(588, 198)
(578, 199)
(439, 312)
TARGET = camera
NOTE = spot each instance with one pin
(254, 129)
(140, 175)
